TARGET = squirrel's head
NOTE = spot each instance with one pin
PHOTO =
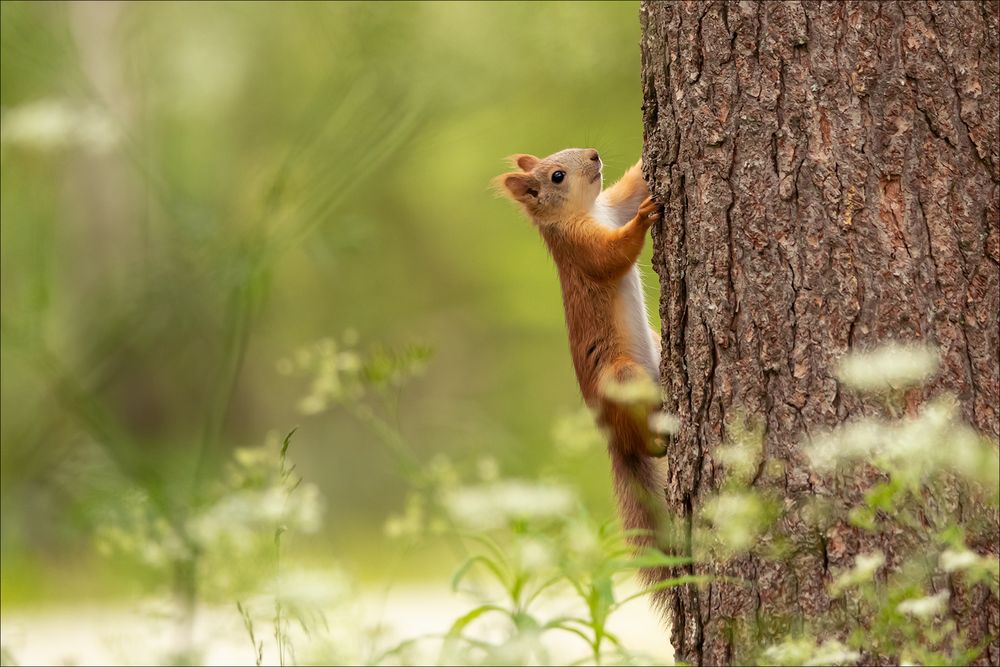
(554, 187)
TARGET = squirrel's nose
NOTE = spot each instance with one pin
(594, 156)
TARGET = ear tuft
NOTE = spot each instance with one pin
(520, 187)
(523, 161)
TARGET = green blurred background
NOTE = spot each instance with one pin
(191, 192)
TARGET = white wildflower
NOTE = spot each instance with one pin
(806, 652)
(925, 607)
(576, 433)
(52, 124)
(865, 567)
(741, 458)
(912, 447)
(972, 455)
(349, 362)
(238, 518)
(851, 441)
(832, 652)
(639, 390)
(443, 472)
(259, 458)
(737, 518)
(523, 648)
(867, 564)
(664, 423)
(581, 540)
(535, 555)
(309, 588)
(953, 560)
(496, 504)
(312, 404)
(789, 652)
(327, 380)
(411, 522)
(892, 366)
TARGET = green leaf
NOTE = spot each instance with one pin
(605, 589)
(541, 589)
(568, 628)
(883, 496)
(287, 441)
(493, 567)
(525, 622)
(487, 542)
(669, 583)
(862, 517)
(650, 559)
(462, 621)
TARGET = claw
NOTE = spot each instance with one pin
(648, 212)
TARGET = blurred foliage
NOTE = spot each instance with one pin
(533, 563)
(192, 192)
(935, 493)
(222, 221)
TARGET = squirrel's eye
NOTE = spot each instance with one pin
(558, 176)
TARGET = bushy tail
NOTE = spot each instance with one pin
(639, 486)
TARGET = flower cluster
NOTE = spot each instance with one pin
(341, 374)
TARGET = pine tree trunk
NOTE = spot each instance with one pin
(829, 176)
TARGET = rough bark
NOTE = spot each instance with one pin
(829, 177)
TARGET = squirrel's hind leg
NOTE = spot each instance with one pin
(626, 412)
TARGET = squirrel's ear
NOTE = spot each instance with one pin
(521, 187)
(523, 161)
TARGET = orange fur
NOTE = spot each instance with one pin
(591, 260)
(629, 190)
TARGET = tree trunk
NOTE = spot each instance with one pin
(829, 177)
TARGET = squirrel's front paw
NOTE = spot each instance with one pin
(649, 212)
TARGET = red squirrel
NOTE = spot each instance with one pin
(595, 238)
